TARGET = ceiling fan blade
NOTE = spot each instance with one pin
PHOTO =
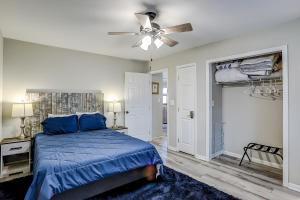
(144, 20)
(168, 41)
(122, 33)
(179, 28)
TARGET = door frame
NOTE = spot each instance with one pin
(285, 79)
(164, 70)
(196, 106)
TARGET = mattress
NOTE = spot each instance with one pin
(63, 162)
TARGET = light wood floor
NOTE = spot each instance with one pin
(243, 184)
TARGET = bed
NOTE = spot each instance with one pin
(67, 161)
(83, 164)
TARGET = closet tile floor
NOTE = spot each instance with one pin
(241, 183)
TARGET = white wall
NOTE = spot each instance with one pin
(277, 36)
(248, 119)
(33, 66)
(157, 107)
(1, 80)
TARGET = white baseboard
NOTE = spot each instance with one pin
(217, 153)
(232, 154)
(256, 160)
(172, 148)
(293, 186)
(200, 157)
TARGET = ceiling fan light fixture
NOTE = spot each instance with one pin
(144, 46)
(152, 31)
(158, 43)
(147, 40)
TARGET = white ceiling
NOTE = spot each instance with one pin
(83, 24)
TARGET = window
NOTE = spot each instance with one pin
(164, 99)
(165, 91)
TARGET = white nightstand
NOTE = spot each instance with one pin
(15, 158)
(121, 129)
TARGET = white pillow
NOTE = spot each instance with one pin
(59, 115)
(87, 113)
(230, 75)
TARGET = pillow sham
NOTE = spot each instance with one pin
(88, 122)
(87, 113)
(59, 115)
(60, 125)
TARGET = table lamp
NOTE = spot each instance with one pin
(22, 110)
(115, 107)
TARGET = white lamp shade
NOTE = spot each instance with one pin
(111, 107)
(114, 107)
(22, 110)
(117, 107)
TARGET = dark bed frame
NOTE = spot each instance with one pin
(109, 183)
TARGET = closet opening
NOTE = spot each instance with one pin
(247, 113)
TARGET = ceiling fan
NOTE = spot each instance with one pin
(151, 31)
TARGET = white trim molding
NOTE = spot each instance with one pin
(200, 157)
(164, 70)
(293, 186)
(217, 153)
(208, 110)
(285, 78)
(284, 50)
(172, 148)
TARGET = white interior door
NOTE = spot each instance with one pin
(138, 104)
(186, 103)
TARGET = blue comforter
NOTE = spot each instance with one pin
(67, 161)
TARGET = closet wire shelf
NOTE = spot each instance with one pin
(277, 81)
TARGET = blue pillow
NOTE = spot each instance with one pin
(60, 125)
(88, 122)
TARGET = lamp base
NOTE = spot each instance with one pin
(115, 126)
(21, 136)
(115, 121)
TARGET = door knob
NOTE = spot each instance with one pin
(191, 114)
(127, 112)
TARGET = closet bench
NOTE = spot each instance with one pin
(262, 148)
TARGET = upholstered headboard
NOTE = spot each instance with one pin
(62, 102)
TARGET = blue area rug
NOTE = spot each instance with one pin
(172, 185)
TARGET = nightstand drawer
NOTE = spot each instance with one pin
(15, 148)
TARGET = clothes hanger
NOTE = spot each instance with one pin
(264, 91)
